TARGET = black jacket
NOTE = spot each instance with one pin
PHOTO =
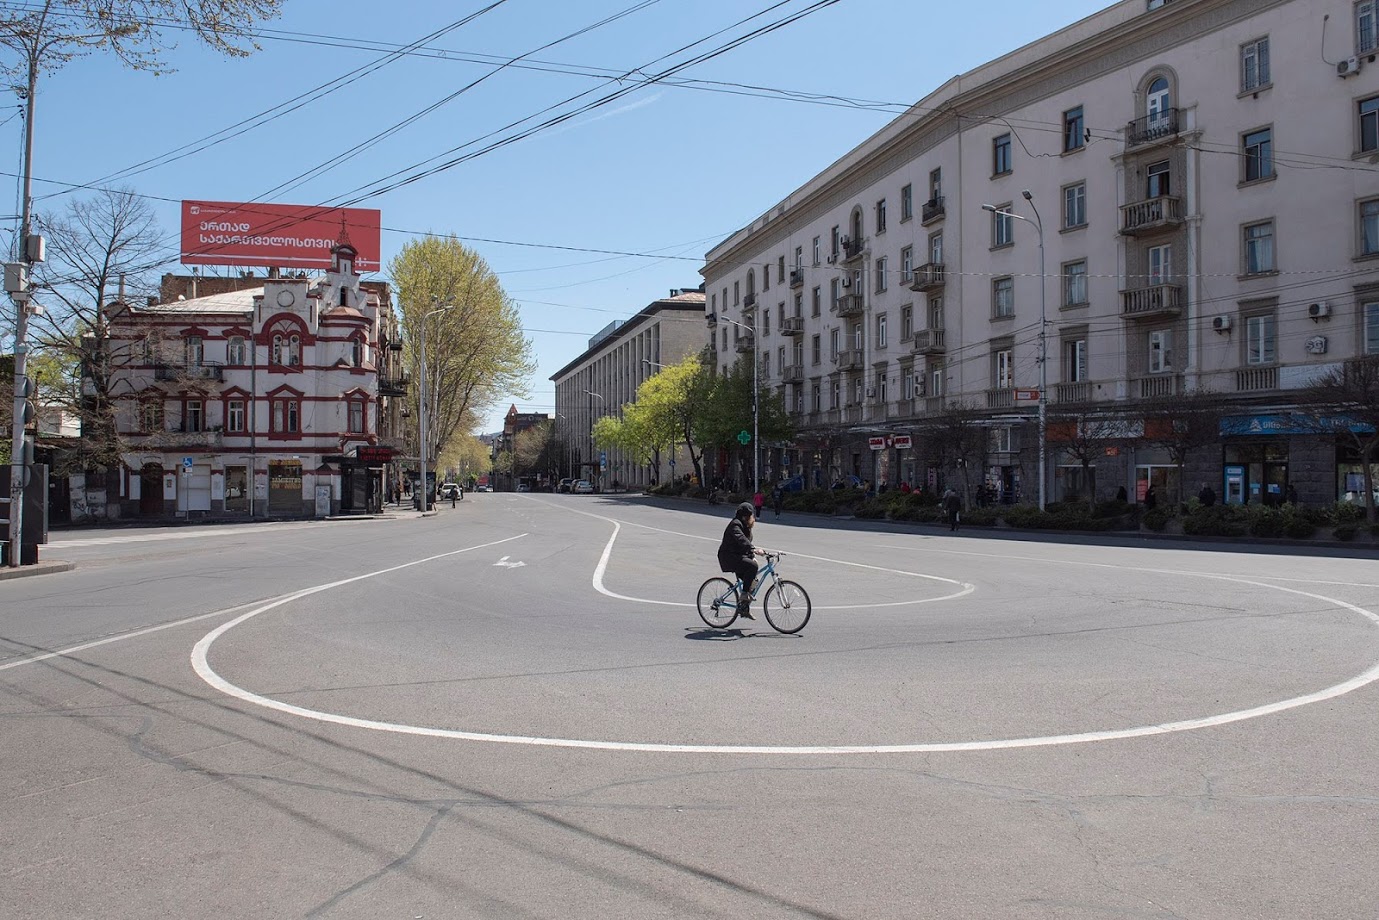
(736, 545)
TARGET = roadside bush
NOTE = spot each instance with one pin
(919, 512)
(1345, 513)
(980, 517)
(1113, 508)
(1344, 532)
(1215, 521)
(1299, 527)
(872, 509)
(1058, 516)
(1156, 519)
(1266, 522)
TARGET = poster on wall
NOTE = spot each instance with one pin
(217, 486)
(260, 485)
(169, 486)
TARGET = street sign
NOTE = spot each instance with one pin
(876, 443)
(744, 437)
(1026, 395)
(187, 466)
(903, 442)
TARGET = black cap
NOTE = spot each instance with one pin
(745, 509)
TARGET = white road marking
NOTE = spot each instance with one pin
(227, 530)
(510, 565)
(203, 669)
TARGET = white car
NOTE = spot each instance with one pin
(524, 487)
(582, 487)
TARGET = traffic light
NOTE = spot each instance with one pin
(25, 390)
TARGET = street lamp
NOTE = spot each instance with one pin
(569, 446)
(756, 368)
(1043, 342)
(425, 499)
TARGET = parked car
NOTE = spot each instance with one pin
(524, 487)
(448, 491)
(483, 487)
(582, 487)
(565, 484)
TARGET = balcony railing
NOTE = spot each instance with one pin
(1072, 393)
(206, 370)
(1252, 379)
(749, 302)
(1151, 215)
(1152, 128)
(931, 211)
(930, 342)
(744, 345)
(849, 305)
(792, 373)
(792, 325)
(1156, 386)
(933, 405)
(393, 386)
(205, 440)
(1000, 398)
(796, 277)
(927, 277)
(1155, 300)
(853, 249)
(849, 360)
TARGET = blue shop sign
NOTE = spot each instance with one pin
(1288, 423)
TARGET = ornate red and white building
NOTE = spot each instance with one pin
(267, 401)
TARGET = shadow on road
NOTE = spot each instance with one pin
(730, 635)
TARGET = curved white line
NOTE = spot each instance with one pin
(203, 669)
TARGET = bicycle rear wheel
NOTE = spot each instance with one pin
(787, 607)
(717, 602)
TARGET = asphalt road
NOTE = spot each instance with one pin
(512, 710)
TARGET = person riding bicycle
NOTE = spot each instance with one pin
(735, 555)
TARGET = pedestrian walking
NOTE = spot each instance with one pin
(758, 500)
(1150, 499)
(777, 499)
(1207, 496)
(952, 504)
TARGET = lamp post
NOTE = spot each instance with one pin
(1043, 343)
(756, 369)
(592, 396)
(569, 447)
(425, 497)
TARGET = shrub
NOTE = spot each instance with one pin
(981, 517)
(1156, 519)
(1266, 522)
(1344, 532)
(916, 511)
(872, 509)
(1215, 521)
(1112, 509)
(1346, 513)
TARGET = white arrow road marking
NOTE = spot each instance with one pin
(511, 565)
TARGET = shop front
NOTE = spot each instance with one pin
(285, 487)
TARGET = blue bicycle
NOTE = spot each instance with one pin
(786, 604)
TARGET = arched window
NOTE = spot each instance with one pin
(356, 417)
(294, 350)
(359, 352)
(279, 353)
(234, 351)
(1157, 101)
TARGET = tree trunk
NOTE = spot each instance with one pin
(1366, 458)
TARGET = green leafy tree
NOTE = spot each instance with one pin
(1345, 403)
(476, 352)
(665, 412)
(727, 410)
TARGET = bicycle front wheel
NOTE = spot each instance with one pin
(717, 602)
(787, 607)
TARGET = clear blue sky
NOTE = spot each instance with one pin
(665, 170)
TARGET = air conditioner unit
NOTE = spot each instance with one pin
(832, 258)
(1221, 323)
(871, 392)
(846, 282)
(1348, 68)
(1318, 310)
(845, 242)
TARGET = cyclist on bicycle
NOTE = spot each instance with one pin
(735, 555)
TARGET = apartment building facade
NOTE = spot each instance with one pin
(1180, 196)
(597, 383)
(273, 400)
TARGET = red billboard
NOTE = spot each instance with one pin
(276, 235)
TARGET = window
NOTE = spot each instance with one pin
(1369, 227)
(1075, 206)
(1002, 370)
(833, 344)
(1260, 339)
(279, 352)
(935, 313)
(1157, 102)
(193, 351)
(1003, 297)
(881, 331)
(1369, 124)
(837, 394)
(1371, 314)
(358, 352)
(1160, 351)
(907, 323)
(881, 216)
(1259, 248)
(833, 243)
(1156, 182)
(1000, 155)
(1160, 265)
(766, 365)
(1254, 65)
(935, 185)
(797, 353)
(833, 288)
(1002, 227)
(814, 398)
(936, 379)
(881, 279)
(881, 386)
(816, 349)
(234, 351)
(780, 269)
(737, 291)
(285, 416)
(908, 381)
(234, 415)
(1365, 39)
(193, 415)
(799, 305)
(1075, 361)
(1258, 150)
(151, 415)
(356, 416)
(765, 322)
(907, 264)
(799, 258)
(936, 248)
(1074, 136)
(816, 302)
(816, 250)
(907, 203)
(857, 336)
(1075, 283)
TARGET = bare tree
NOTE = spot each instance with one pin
(956, 439)
(1345, 403)
(1181, 425)
(1085, 438)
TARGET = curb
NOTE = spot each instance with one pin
(38, 568)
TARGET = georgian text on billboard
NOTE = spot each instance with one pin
(276, 235)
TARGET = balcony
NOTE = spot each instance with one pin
(853, 249)
(1152, 129)
(849, 360)
(848, 305)
(1157, 386)
(927, 277)
(204, 371)
(905, 408)
(796, 277)
(1254, 379)
(1071, 394)
(1000, 398)
(934, 405)
(711, 319)
(931, 211)
(792, 373)
(1152, 215)
(792, 325)
(1152, 301)
(930, 342)
(749, 302)
(393, 386)
(743, 345)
